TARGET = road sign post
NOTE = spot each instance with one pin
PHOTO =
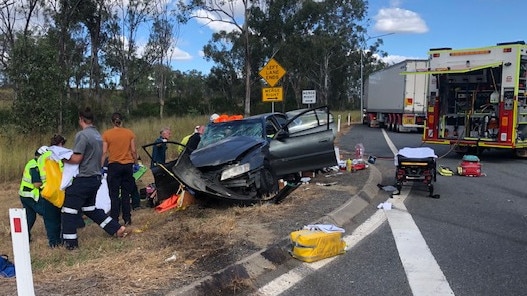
(309, 96)
(272, 94)
(272, 72)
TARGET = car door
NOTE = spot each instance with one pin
(292, 153)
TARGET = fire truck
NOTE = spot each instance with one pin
(477, 98)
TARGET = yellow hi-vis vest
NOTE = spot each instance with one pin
(26, 182)
(184, 141)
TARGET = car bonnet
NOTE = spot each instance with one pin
(224, 151)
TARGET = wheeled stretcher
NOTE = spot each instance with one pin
(416, 165)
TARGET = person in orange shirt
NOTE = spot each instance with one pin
(119, 147)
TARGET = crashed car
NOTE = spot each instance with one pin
(243, 160)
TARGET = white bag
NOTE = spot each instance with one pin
(102, 200)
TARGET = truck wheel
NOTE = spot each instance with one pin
(520, 152)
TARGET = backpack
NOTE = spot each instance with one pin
(7, 268)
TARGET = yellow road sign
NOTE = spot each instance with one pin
(272, 94)
(272, 72)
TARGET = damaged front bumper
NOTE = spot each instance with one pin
(195, 180)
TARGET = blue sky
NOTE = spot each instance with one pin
(417, 26)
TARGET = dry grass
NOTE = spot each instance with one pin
(160, 250)
(16, 150)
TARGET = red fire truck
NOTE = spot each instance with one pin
(477, 98)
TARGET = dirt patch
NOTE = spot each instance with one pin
(172, 249)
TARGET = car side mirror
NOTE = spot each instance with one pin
(281, 134)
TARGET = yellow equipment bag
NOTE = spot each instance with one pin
(314, 245)
(51, 189)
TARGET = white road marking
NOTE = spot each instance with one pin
(424, 274)
(292, 277)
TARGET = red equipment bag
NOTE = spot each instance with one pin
(469, 166)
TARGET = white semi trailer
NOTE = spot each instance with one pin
(396, 101)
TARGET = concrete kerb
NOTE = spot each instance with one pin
(269, 259)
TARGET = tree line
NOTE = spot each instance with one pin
(60, 55)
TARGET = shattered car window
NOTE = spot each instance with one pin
(219, 131)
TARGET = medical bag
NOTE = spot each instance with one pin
(469, 166)
(314, 245)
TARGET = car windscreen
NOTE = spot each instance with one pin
(215, 132)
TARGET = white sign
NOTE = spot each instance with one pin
(309, 96)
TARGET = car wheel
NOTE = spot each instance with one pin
(268, 184)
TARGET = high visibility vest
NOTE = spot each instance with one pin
(26, 182)
(41, 161)
(184, 141)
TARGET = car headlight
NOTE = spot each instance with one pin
(235, 171)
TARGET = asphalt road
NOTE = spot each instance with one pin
(471, 241)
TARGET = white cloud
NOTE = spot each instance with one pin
(181, 55)
(394, 59)
(399, 20)
(214, 20)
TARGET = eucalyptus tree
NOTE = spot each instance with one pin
(16, 19)
(312, 39)
(123, 53)
(33, 69)
(94, 14)
(235, 14)
(160, 49)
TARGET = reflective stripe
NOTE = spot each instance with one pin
(26, 194)
(69, 236)
(88, 209)
(105, 222)
(452, 69)
(69, 210)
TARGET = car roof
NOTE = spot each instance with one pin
(264, 115)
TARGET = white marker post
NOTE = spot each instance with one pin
(20, 238)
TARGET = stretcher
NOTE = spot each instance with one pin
(416, 165)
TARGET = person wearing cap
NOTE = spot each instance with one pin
(34, 203)
(119, 146)
(159, 150)
(81, 194)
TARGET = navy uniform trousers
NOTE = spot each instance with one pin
(80, 198)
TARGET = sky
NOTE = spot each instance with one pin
(409, 28)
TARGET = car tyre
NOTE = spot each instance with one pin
(268, 184)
